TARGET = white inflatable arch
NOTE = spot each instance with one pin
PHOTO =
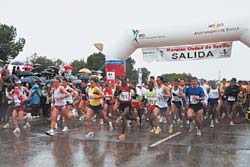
(199, 33)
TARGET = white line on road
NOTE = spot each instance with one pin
(165, 139)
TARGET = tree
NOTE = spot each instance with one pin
(58, 62)
(133, 74)
(145, 74)
(78, 64)
(174, 76)
(42, 60)
(10, 47)
(96, 61)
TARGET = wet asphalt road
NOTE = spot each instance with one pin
(223, 146)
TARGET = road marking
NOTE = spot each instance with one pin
(165, 139)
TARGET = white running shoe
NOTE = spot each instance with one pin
(101, 122)
(223, 115)
(157, 130)
(179, 120)
(27, 125)
(28, 116)
(111, 125)
(198, 132)
(81, 118)
(161, 119)
(212, 124)
(181, 124)
(109, 114)
(51, 132)
(6, 126)
(17, 131)
(171, 129)
(65, 129)
(90, 134)
(216, 121)
(231, 123)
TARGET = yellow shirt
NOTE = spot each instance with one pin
(94, 96)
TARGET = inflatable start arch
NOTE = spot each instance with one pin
(200, 33)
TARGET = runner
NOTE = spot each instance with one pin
(152, 112)
(195, 95)
(231, 95)
(82, 107)
(213, 101)
(163, 96)
(222, 103)
(59, 94)
(69, 101)
(124, 99)
(109, 102)
(95, 106)
(177, 102)
(18, 113)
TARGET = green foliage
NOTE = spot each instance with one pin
(96, 61)
(78, 64)
(58, 62)
(10, 47)
(174, 76)
(44, 61)
(145, 74)
(133, 74)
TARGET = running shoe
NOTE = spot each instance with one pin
(111, 126)
(212, 124)
(65, 129)
(50, 132)
(27, 125)
(231, 123)
(158, 130)
(6, 126)
(171, 129)
(81, 118)
(153, 130)
(161, 119)
(198, 132)
(17, 131)
(216, 121)
(223, 115)
(90, 134)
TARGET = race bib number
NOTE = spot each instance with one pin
(193, 100)
(231, 98)
(108, 98)
(162, 101)
(176, 98)
(215, 95)
(125, 96)
(151, 100)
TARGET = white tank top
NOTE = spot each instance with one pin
(174, 97)
(57, 98)
(161, 101)
(213, 94)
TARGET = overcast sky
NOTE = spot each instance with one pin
(67, 29)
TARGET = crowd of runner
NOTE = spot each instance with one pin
(121, 105)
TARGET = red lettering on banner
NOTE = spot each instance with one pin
(190, 48)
